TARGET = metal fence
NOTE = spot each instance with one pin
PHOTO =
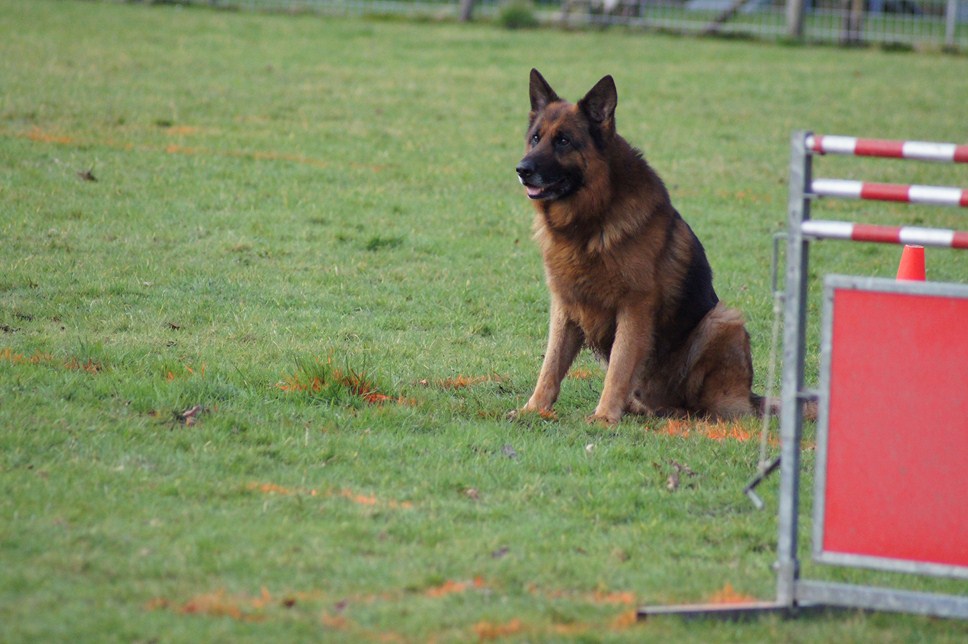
(914, 23)
(940, 23)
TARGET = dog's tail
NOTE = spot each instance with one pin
(763, 405)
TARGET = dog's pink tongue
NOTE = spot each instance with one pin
(533, 191)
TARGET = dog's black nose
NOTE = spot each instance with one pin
(525, 169)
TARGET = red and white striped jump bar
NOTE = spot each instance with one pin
(934, 195)
(920, 150)
(885, 234)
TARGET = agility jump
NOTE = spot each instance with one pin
(890, 475)
(890, 479)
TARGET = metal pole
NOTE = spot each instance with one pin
(794, 341)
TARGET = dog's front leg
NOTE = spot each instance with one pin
(632, 345)
(564, 341)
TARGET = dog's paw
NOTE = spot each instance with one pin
(526, 414)
(603, 419)
(637, 407)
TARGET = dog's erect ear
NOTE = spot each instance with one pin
(599, 103)
(541, 92)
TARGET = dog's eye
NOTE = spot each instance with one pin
(562, 141)
(534, 139)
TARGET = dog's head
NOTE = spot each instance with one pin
(561, 136)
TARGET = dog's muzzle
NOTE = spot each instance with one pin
(533, 182)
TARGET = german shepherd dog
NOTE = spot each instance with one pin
(628, 277)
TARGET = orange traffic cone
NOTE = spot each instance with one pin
(912, 264)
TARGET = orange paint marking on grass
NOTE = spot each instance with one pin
(76, 365)
(221, 604)
(729, 595)
(71, 364)
(337, 615)
(294, 383)
(355, 383)
(42, 136)
(9, 355)
(462, 382)
(182, 130)
(368, 500)
(624, 621)
(490, 631)
(270, 488)
(718, 431)
(453, 587)
(361, 499)
(377, 399)
(721, 432)
(616, 597)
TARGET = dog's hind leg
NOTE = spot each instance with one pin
(721, 371)
(637, 405)
(763, 405)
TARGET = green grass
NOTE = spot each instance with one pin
(293, 214)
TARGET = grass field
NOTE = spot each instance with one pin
(267, 292)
